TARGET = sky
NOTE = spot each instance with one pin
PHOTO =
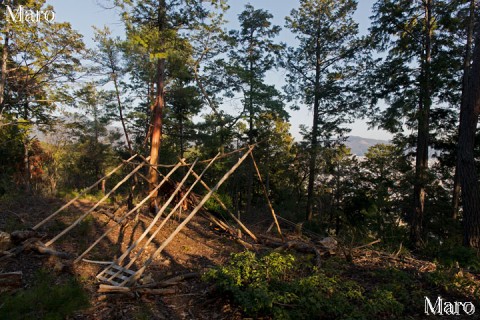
(87, 13)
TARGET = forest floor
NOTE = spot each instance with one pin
(197, 248)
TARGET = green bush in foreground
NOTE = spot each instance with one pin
(274, 285)
(45, 300)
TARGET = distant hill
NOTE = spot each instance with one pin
(360, 145)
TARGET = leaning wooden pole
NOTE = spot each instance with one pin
(272, 211)
(138, 206)
(157, 217)
(83, 216)
(224, 207)
(81, 194)
(187, 219)
(171, 213)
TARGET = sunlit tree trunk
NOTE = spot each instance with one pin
(3, 75)
(158, 107)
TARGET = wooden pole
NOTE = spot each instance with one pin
(137, 274)
(95, 206)
(272, 211)
(157, 217)
(81, 194)
(172, 212)
(224, 207)
(117, 223)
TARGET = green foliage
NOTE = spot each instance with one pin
(406, 288)
(45, 300)
(382, 303)
(12, 138)
(276, 285)
(453, 282)
(465, 257)
(212, 205)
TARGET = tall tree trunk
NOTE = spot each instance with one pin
(26, 156)
(3, 75)
(182, 138)
(421, 163)
(156, 130)
(466, 160)
(314, 138)
(157, 110)
(251, 137)
(120, 107)
(466, 69)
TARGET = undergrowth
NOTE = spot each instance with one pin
(275, 285)
(45, 300)
(284, 286)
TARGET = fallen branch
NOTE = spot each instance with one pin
(16, 215)
(113, 216)
(129, 291)
(11, 253)
(175, 280)
(41, 248)
(228, 230)
(369, 244)
(20, 236)
(11, 280)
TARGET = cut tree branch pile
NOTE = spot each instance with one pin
(30, 240)
(153, 288)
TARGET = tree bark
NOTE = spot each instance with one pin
(3, 75)
(251, 114)
(157, 111)
(156, 129)
(314, 138)
(466, 68)
(119, 105)
(421, 163)
(466, 160)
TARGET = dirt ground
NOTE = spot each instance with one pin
(196, 248)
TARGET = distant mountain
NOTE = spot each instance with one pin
(360, 145)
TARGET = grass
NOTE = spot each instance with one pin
(45, 300)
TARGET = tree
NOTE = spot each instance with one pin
(252, 54)
(416, 79)
(470, 24)
(91, 132)
(39, 60)
(184, 103)
(321, 71)
(154, 26)
(466, 144)
(384, 173)
(108, 58)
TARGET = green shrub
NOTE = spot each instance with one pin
(454, 283)
(276, 285)
(212, 205)
(466, 257)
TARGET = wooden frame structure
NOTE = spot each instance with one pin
(120, 273)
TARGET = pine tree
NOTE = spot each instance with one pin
(153, 29)
(418, 77)
(468, 175)
(322, 71)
